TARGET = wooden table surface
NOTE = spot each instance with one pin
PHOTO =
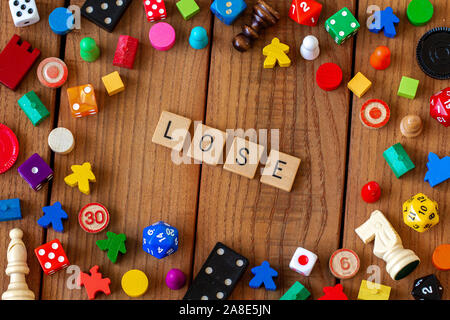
(225, 89)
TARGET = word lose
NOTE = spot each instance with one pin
(243, 157)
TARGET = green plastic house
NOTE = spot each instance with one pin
(33, 108)
(398, 160)
(296, 292)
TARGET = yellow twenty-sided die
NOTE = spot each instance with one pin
(420, 212)
(134, 283)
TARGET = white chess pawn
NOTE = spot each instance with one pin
(310, 48)
(17, 269)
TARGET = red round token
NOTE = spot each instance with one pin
(329, 76)
(93, 217)
(52, 72)
(371, 192)
(374, 114)
(9, 148)
(344, 264)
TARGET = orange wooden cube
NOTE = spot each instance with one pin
(82, 101)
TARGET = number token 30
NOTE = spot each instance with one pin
(93, 218)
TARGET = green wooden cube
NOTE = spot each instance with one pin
(33, 108)
(408, 88)
(342, 25)
(398, 160)
(296, 292)
(188, 8)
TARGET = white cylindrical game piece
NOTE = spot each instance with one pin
(61, 140)
(310, 48)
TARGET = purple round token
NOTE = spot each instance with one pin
(162, 36)
(175, 279)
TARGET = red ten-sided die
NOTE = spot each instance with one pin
(371, 192)
(329, 76)
(374, 114)
(93, 218)
(440, 107)
(52, 72)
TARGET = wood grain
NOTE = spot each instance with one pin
(31, 139)
(366, 161)
(136, 180)
(259, 221)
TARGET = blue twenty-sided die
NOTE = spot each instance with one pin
(228, 10)
(61, 21)
(160, 240)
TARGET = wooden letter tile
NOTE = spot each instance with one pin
(207, 145)
(171, 130)
(280, 170)
(243, 157)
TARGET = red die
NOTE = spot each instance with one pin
(155, 9)
(440, 107)
(52, 257)
(125, 52)
(305, 12)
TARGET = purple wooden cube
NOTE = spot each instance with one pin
(35, 171)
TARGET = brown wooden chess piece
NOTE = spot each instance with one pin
(263, 17)
(17, 269)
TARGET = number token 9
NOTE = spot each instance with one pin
(93, 218)
(344, 264)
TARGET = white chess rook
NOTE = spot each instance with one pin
(310, 48)
(17, 269)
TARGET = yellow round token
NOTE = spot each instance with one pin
(134, 283)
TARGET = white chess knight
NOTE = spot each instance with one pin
(17, 269)
(310, 48)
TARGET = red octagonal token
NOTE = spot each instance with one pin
(329, 76)
(9, 148)
(93, 217)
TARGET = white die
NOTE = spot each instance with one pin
(303, 261)
(24, 12)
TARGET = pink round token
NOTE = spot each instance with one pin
(162, 36)
(52, 72)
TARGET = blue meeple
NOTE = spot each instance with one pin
(160, 240)
(263, 275)
(387, 20)
(53, 215)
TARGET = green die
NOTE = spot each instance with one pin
(296, 292)
(342, 25)
(398, 160)
(33, 108)
(408, 87)
(188, 8)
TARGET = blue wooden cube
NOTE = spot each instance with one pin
(160, 240)
(10, 209)
(228, 10)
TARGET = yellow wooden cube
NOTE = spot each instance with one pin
(113, 83)
(373, 291)
(359, 84)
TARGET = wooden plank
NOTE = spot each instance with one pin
(31, 139)
(259, 221)
(136, 179)
(366, 161)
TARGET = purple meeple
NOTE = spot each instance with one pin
(35, 171)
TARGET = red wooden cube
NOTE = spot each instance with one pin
(125, 52)
(440, 107)
(305, 12)
(52, 257)
(155, 10)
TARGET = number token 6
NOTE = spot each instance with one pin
(93, 217)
